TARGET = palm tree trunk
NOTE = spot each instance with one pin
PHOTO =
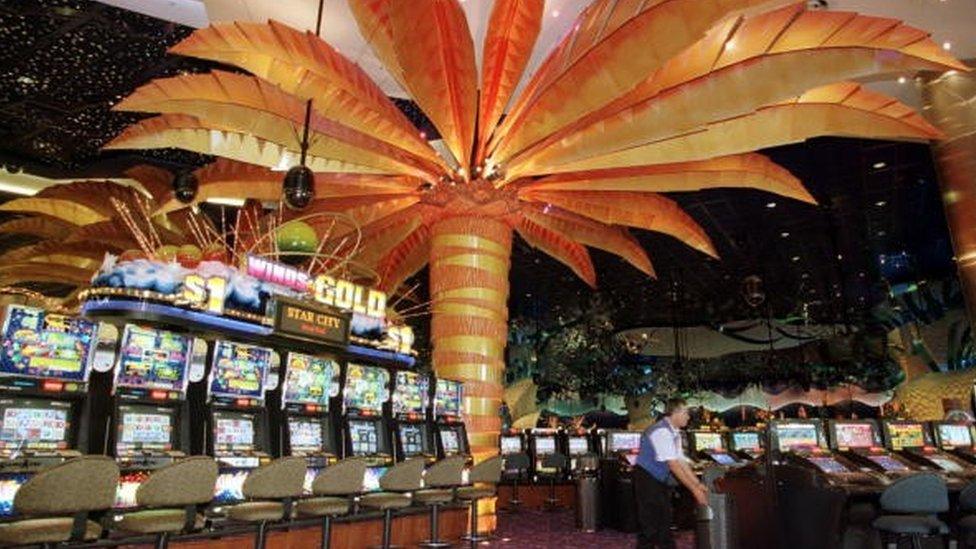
(469, 267)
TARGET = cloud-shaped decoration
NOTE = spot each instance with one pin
(365, 326)
(168, 277)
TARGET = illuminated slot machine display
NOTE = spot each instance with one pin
(510, 443)
(310, 428)
(708, 447)
(624, 445)
(747, 444)
(411, 398)
(150, 421)
(617, 496)
(913, 440)
(364, 396)
(238, 421)
(44, 368)
(860, 441)
(578, 443)
(542, 443)
(803, 442)
(955, 438)
(451, 434)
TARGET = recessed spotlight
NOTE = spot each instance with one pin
(784, 234)
(879, 165)
(805, 276)
(795, 258)
(902, 80)
(881, 233)
(880, 203)
(947, 45)
(770, 204)
(840, 256)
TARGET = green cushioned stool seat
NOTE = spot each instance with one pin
(433, 496)
(475, 492)
(385, 500)
(256, 511)
(44, 530)
(154, 521)
(910, 524)
(317, 507)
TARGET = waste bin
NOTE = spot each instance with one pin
(714, 526)
(588, 493)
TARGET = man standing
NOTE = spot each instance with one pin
(659, 463)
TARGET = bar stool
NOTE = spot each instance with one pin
(917, 499)
(440, 481)
(966, 525)
(484, 478)
(559, 462)
(270, 491)
(170, 497)
(56, 502)
(406, 476)
(519, 463)
(331, 491)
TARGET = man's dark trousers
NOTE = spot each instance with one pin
(654, 511)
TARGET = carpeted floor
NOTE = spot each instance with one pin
(539, 530)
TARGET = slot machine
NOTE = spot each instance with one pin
(747, 443)
(955, 438)
(149, 425)
(618, 504)
(509, 443)
(542, 443)
(237, 420)
(803, 442)
(451, 434)
(365, 395)
(913, 440)
(860, 441)
(579, 442)
(708, 447)
(44, 368)
(411, 430)
(310, 426)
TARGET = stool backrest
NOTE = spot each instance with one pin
(86, 483)
(282, 478)
(446, 473)
(923, 493)
(519, 461)
(967, 498)
(557, 460)
(341, 479)
(488, 471)
(405, 476)
(189, 481)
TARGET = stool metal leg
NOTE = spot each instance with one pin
(473, 535)
(162, 540)
(387, 527)
(326, 531)
(551, 501)
(435, 538)
(261, 533)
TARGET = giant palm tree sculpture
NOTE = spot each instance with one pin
(641, 97)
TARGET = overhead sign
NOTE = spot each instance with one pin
(303, 320)
(325, 289)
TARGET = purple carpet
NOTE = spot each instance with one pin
(538, 530)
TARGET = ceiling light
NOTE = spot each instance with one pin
(555, 13)
(796, 258)
(880, 203)
(784, 234)
(902, 80)
(770, 204)
(233, 202)
(947, 45)
(879, 165)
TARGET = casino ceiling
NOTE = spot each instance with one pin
(64, 63)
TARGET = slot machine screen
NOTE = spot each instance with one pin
(412, 438)
(34, 425)
(366, 387)
(411, 393)
(946, 464)
(371, 480)
(745, 441)
(448, 397)
(449, 442)
(827, 464)
(955, 435)
(624, 441)
(311, 380)
(306, 435)
(144, 428)
(510, 444)
(545, 445)
(230, 486)
(154, 359)
(854, 435)
(578, 446)
(235, 431)
(888, 463)
(708, 441)
(239, 370)
(796, 436)
(723, 459)
(364, 437)
(46, 345)
(906, 435)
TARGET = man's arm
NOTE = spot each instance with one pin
(680, 469)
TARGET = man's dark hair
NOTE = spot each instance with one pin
(673, 405)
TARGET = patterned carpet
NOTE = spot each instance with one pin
(539, 530)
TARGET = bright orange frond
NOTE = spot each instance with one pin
(566, 251)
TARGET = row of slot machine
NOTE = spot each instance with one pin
(537, 444)
(158, 395)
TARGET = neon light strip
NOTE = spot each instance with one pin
(205, 319)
